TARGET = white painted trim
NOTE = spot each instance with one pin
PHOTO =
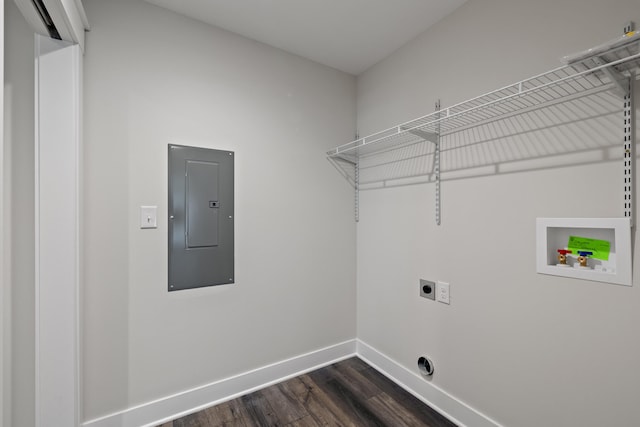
(3, 281)
(68, 16)
(57, 231)
(83, 15)
(449, 406)
(79, 234)
(187, 402)
(36, 229)
(190, 401)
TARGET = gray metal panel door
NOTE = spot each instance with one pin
(201, 231)
(202, 204)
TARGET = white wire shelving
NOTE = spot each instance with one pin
(605, 70)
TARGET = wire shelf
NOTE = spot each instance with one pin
(587, 76)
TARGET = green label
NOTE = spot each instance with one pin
(600, 248)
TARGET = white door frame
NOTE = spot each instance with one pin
(3, 280)
(58, 155)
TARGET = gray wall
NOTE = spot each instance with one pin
(525, 349)
(19, 310)
(153, 78)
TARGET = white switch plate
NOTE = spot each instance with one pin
(442, 292)
(148, 217)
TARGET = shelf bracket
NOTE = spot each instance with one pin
(629, 149)
(356, 182)
(427, 136)
(433, 137)
(436, 162)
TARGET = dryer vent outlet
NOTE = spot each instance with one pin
(426, 366)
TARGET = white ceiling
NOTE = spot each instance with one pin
(350, 35)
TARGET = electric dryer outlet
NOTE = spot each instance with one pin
(428, 289)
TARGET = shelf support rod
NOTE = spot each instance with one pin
(629, 149)
(436, 162)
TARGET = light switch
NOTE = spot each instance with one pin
(442, 292)
(148, 217)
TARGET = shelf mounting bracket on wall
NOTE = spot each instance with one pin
(356, 182)
(433, 137)
(436, 163)
(629, 115)
(629, 149)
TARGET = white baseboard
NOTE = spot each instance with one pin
(184, 403)
(187, 402)
(457, 411)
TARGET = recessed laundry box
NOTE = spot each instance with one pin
(597, 249)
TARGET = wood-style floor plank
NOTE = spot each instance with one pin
(350, 402)
(391, 412)
(307, 421)
(319, 405)
(284, 403)
(230, 413)
(409, 402)
(260, 412)
(355, 363)
(349, 393)
(357, 383)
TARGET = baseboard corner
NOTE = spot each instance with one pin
(449, 406)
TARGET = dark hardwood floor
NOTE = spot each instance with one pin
(347, 393)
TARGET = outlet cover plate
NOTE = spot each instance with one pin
(148, 217)
(442, 292)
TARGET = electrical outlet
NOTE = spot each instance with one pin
(427, 289)
(442, 292)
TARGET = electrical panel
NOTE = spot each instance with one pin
(201, 206)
